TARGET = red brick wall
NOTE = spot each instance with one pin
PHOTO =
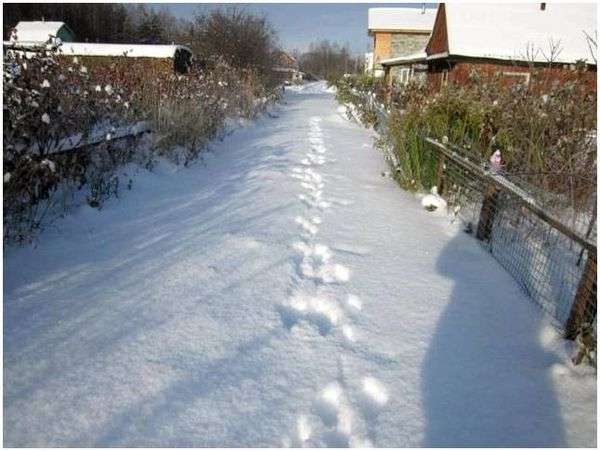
(459, 73)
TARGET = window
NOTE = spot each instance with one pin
(404, 75)
(444, 77)
(519, 77)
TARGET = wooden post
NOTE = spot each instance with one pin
(387, 82)
(440, 174)
(488, 211)
(584, 304)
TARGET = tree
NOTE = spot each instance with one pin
(242, 39)
(328, 60)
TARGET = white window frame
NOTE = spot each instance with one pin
(525, 75)
(404, 75)
(444, 77)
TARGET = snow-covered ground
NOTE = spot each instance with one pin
(280, 293)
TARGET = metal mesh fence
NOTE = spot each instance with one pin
(540, 227)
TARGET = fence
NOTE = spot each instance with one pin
(540, 227)
(545, 239)
(48, 183)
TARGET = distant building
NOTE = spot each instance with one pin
(507, 40)
(41, 32)
(33, 36)
(398, 32)
(285, 68)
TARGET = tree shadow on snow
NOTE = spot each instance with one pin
(486, 378)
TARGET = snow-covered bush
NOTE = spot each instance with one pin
(46, 101)
(49, 97)
(360, 91)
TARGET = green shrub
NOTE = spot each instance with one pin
(539, 129)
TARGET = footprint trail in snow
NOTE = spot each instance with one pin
(333, 419)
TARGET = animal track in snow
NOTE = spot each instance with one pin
(322, 312)
(335, 411)
(307, 225)
(315, 264)
(313, 160)
(318, 147)
(374, 393)
(348, 332)
(354, 302)
(304, 429)
(311, 186)
(314, 203)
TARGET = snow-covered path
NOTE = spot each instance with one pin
(283, 293)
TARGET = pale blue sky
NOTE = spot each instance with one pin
(299, 24)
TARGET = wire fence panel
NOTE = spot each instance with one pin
(541, 227)
(545, 238)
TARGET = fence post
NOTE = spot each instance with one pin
(584, 304)
(440, 174)
(488, 211)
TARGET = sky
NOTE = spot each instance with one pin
(300, 24)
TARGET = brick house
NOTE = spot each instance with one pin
(398, 31)
(507, 40)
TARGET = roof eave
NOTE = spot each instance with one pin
(399, 30)
(447, 55)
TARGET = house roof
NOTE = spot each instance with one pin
(37, 31)
(507, 31)
(406, 59)
(284, 59)
(402, 19)
(130, 50)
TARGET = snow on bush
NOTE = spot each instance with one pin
(49, 96)
(44, 103)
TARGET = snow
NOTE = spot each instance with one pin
(197, 310)
(129, 50)
(402, 19)
(473, 30)
(433, 201)
(37, 31)
(412, 58)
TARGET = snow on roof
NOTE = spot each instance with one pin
(402, 19)
(506, 31)
(412, 58)
(130, 50)
(37, 31)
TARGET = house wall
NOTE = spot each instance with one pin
(403, 44)
(392, 44)
(382, 46)
(65, 34)
(459, 73)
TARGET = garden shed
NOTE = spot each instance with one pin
(177, 58)
(42, 31)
